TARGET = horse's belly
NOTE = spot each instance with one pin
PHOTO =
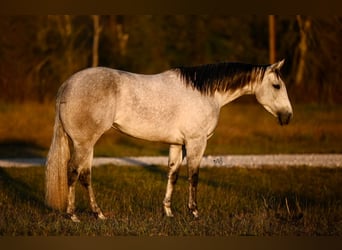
(151, 132)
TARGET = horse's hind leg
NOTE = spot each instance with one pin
(175, 160)
(79, 168)
(73, 174)
(85, 179)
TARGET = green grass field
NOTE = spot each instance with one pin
(236, 201)
(266, 201)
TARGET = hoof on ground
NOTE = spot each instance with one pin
(100, 216)
(74, 218)
(195, 214)
(168, 212)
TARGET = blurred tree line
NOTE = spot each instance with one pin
(38, 53)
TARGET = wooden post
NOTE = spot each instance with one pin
(272, 38)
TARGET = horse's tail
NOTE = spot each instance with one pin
(56, 179)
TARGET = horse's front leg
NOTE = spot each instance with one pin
(175, 160)
(195, 150)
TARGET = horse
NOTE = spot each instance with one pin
(179, 106)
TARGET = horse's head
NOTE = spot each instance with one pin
(272, 94)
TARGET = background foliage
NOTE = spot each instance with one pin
(39, 52)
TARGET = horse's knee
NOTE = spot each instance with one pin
(72, 175)
(84, 177)
(78, 167)
(193, 178)
(193, 175)
(173, 176)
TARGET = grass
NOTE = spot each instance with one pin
(235, 201)
(232, 201)
(244, 128)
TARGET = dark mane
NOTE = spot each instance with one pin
(220, 77)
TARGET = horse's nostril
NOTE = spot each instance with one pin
(284, 118)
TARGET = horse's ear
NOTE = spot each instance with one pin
(277, 65)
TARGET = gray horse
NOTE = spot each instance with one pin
(180, 106)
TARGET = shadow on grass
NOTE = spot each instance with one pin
(20, 148)
(155, 169)
(20, 191)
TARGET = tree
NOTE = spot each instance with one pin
(272, 38)
(96, 39)
(38, 53)
(304, 25)
(63, 45)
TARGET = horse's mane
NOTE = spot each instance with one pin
(221, 76)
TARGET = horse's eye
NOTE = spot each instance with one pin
(276, 86)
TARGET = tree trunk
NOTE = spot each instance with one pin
(304, 29)
(272, 38)
(96, 39)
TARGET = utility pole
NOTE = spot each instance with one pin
(272, 38)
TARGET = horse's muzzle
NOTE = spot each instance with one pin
(284, 118)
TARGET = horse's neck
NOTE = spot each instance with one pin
(224, 98)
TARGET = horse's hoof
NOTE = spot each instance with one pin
(170, 215)
(74, 218)
(194, 213)
(168, 212)
(100, 216)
